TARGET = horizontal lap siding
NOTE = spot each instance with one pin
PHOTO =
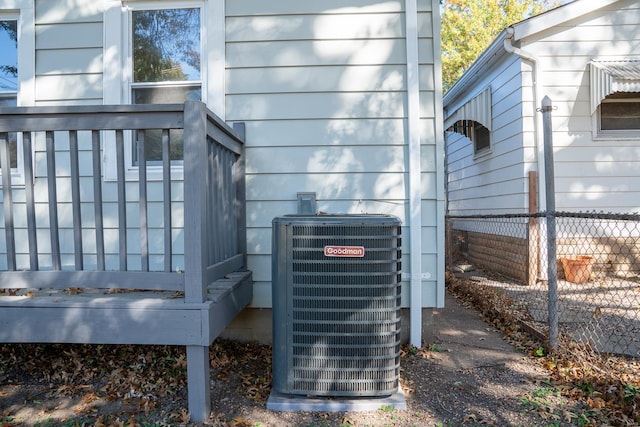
(494, 182)
(69, 44)
(322, 89)
(432, 152)
(591, 174)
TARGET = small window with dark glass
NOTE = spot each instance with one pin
(166, 51)
(475, 131)
(9, 76)
(620, 112)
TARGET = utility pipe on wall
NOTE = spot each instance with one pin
(415, 194)
(539, 134)
(537, 99)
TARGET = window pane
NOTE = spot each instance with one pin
(7, 101)
(620, 115)
(166, 94)
(9, 77)
(153, 138)
(9, 57)
(166, 45)
(482, 137)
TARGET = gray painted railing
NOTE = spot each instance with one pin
(212, 184)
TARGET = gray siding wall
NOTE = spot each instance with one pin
(69, 42)
(322, 88)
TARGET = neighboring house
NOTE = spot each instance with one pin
(337, 98)
(584, 56)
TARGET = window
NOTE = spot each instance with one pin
(9, 75)
(166, 61)
(615, 98)
(620, 112)
(476, 132)
(147, 59)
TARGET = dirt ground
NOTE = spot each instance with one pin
(76, 385)
(37, 390)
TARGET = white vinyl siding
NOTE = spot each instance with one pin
(591, 173)
(485, 184)
(609, 34)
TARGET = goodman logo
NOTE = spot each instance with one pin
(344, 251)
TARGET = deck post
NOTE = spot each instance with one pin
(198, 382)
(196, 252)
(196, 255)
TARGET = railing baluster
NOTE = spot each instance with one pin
(122, 200)
(240, 194)
(142, 186)
(75, 200)
(7, 201)
(215, 193)
(54, 229)
(227, 161)
(211, 205)
(166, 191)
(30, 201)
(97, 199)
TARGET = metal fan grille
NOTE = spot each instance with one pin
(343, 312)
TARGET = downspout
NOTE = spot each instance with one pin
(537, 123)
(414, 169)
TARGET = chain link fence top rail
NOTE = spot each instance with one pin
(598, 271)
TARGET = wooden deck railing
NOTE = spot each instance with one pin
(60, 228)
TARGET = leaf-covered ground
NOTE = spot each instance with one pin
(93, 385)
(607, 387)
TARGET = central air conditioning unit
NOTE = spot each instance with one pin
(336, 305)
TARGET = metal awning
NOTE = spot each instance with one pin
(477, 109)
(608, 77)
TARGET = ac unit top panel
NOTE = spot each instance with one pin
(338, 219)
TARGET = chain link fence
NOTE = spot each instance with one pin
(597, 274)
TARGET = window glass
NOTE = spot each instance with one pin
(475, 131)
(166, 45)
(9, 57)
(9, 75)
(166, 68)
(620, 111)
(481, 137)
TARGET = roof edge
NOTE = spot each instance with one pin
(520, 30)
(557, 16)
(485, 61)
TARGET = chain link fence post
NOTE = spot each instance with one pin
(552, 267)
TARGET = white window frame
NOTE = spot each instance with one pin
(118, 68)
(23, 12)
(623, 134)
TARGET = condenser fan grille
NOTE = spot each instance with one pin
(337, 317)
